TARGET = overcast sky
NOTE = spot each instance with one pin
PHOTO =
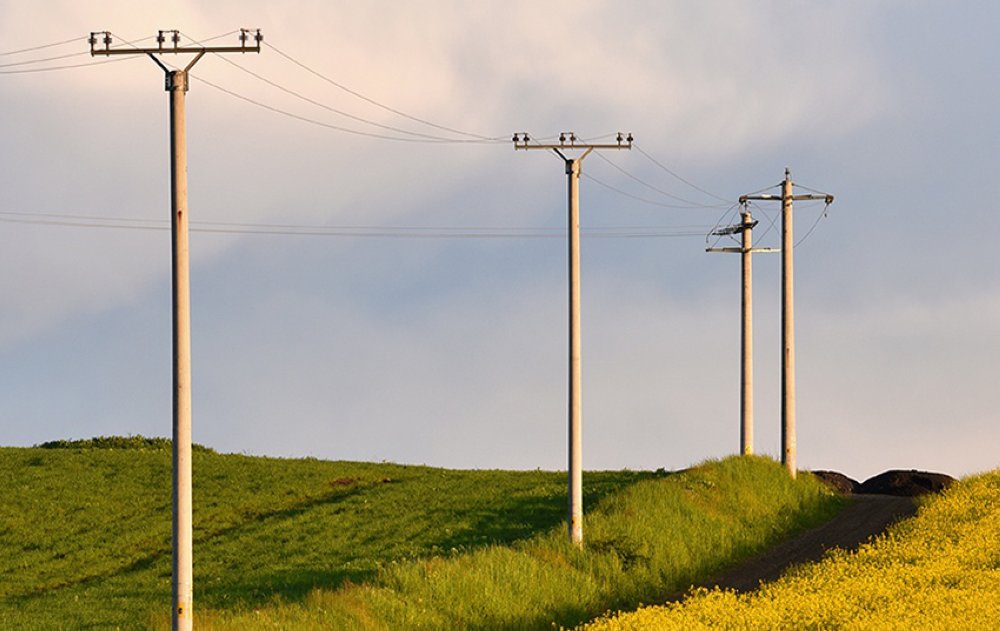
(437, 333)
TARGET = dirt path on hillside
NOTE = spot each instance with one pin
(866, 516)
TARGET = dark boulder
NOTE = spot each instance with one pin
(906, 483)
(838, 481)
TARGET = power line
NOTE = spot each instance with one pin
(636, 197)
(378, 104)
(319, 123)
(690, 203)
(329, 108)
(43, 60)
(772, 218)
(64, 67)
(675, 175)
(52, 45)
(347, 231)
(819, 218)
(414, 136)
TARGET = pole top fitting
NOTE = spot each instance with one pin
(521, 140)
(245, 35)
(177, 80)
(92, 40)
(563, 137)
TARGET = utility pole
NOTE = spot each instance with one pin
(568, 142)
(787, 312)
(746, 315)
(177, 85)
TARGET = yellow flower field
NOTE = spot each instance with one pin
(938, 570)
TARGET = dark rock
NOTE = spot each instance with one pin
(906, 483)
(838, 481)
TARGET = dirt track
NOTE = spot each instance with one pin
(866, 516)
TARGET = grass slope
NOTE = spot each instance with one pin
(654, 537)
(85, 532)
(938, 570)
(85, 539)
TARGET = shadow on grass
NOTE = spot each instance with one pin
(519, 517)
(147, 561)
(516, 517)
(287, 586)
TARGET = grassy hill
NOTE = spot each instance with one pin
(938, 570)
(85, 539)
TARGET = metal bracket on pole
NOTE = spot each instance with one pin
(567, 142)
(160, 49)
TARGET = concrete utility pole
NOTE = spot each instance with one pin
(177, 86)
(787, 313)
(746, 314)
(569, 142)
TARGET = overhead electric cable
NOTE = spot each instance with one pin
(307, 119)
(772, 218)
(52, 45)
(675, 175)
(319, 123)
(659, 190)
(329, 108)
(819, 218)
(636, 197)
(397, 232)
(65, 67)
(383, 106)
(43, 60)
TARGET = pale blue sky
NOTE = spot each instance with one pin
(452, 352)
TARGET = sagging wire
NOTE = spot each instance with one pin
(330, 108)
(632, 196)
(675, 175)
(690, 203)
(387, 108)
(821, 216)
(43, 46)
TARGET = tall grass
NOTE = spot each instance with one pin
(938, 570)
(653, 538)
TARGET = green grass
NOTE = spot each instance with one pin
(653, 538)
(85, 539)
(85, 530)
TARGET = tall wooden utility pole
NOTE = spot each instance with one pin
(746, 317)
(787, 313)
(177, 86)
(568, 142)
